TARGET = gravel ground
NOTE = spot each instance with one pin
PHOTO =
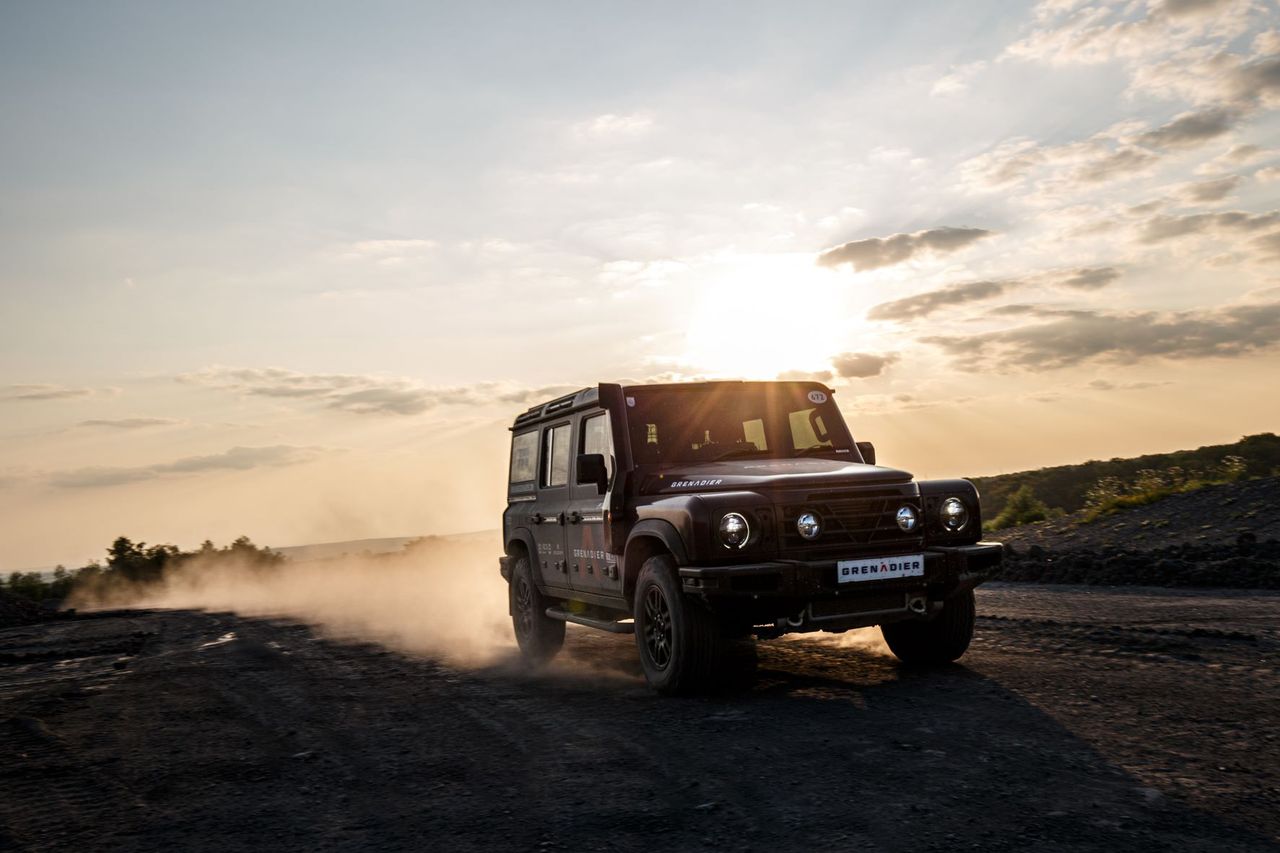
(1081, 719)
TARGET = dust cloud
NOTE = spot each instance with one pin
(440, 597)
(863, 639)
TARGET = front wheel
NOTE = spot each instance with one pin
(537, 634)
(942, 639)
(679, 641)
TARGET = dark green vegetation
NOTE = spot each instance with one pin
(1104, 487)
(133, 564)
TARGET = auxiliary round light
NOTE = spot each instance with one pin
(955, 515)
(734, 530)
(907, 518)
(809, 525)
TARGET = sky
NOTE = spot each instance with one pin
(289, 270)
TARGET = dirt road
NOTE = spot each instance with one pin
(1080, 720)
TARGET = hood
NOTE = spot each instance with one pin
(776, 473)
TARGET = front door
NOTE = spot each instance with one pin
(547, 514)
(592, 568)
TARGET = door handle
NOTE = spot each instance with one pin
(537, 518)
(575, 517)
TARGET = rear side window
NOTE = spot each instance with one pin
(556, 457)
(524, 457)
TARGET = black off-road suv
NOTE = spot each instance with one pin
(698, 516)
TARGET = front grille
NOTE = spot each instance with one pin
(852, 523)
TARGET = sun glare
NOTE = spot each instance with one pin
(759, 316)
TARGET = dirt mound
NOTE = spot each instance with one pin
(15, 610)
(1226, 536)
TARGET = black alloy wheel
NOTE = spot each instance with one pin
(523, 605)
(679, 639)
(657, 627)
(537, 634)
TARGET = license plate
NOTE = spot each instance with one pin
(880, 568)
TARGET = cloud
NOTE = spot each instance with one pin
(1160, 228)
(1025, 310)
(1184, 49)
(862, 365)
(924, 304)
(614, 125)
(1086, 278)
(41, 392)
(234, 459)
(930, 302)
(363, 394)
(876, 252)
(1108, 385)
(957, 79)
(1209, 191)
(1232, 158)
(1191, 129)
(806, 376)
(1267, 174)
(128, 423)
(1269, 245)
(1226, 332)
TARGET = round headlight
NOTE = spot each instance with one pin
(906, 518)
(955, 515)
(809, 525)
(734, 530)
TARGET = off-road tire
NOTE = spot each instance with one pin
(942, 639)
(679, 640)
(537, 634)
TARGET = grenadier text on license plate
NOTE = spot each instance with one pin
(880, 568)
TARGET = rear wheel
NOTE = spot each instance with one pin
(538, 635)
(678, 639)
(942, 639)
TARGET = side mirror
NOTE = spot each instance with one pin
(868, 451)
(591, 469)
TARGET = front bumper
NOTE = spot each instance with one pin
(947, 571)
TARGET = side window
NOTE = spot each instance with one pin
(524, 457)
(555, 457)
(596, 438)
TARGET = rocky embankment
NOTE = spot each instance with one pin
(1221, 536)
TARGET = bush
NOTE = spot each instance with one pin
(1023, 507)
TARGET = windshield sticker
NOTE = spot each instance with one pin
(817, 398)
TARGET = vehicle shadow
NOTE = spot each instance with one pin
(843, 747)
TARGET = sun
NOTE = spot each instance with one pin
(755, 317)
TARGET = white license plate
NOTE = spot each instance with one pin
(880, 568)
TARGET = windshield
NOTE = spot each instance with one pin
(706, 423)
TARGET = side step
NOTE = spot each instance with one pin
(602, 624)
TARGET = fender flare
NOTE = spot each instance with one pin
(666, 533)
(522, 536)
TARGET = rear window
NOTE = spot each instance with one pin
(524, 457)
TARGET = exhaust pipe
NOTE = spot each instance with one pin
(917, 605)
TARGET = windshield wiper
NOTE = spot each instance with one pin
(738, 451)
(815, 449)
